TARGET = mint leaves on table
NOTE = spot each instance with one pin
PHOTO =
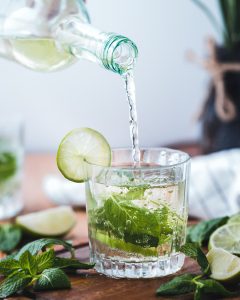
(52, 279)
(36, 246)
(201, 232)
(10, 236)
(201, 285)
(194, 251)
(182, 284)
(37, 265)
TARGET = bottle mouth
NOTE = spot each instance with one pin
(119, 54)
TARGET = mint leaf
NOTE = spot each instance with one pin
(51, 279)
(28, 262)
(201, 232)
(38, 245)
(194, 251)
(198, 295)
(8, 266)
(10, 236)
(8, 165)
(133, 224)
(177, 286)
(135, 192)
(14, 283)
(45, 260)
(213, 287)
(71, 263)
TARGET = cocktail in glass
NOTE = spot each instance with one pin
(137, 214)
(11, 162)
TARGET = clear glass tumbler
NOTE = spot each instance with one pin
(137, 215)
(11, 163)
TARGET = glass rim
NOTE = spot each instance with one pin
(144, 168)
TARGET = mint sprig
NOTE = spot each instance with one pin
(194, 251)
(201, 285)
(37, 265)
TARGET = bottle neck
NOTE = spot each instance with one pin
(114, 52)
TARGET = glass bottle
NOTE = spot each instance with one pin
(47, 35)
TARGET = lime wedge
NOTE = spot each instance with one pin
(50, 222)
(234, 219)
(77, 147)
(226, 237)
(224, 265)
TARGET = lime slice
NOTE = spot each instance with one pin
(226, 237)
(77, 147)
(234, 219)
(116, 243)
(50, 222)
(224, 265)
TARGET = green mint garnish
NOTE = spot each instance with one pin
(8, 165)
(52, 279)
(194, 251)
(182, 284)
(10, 236)
(38, 245)
(36, 264)
(201, 285)
(201, 232)
(132, 224)
(14, 283)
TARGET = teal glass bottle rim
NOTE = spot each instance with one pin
(111, 45)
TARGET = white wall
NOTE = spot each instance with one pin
(170, 90)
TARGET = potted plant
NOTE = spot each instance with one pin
(220, 116)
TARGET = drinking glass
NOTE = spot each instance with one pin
(137, 215)
(11, 163)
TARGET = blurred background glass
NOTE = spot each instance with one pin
(11, 165)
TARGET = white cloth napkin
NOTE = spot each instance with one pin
(214, 189)
(64, 192)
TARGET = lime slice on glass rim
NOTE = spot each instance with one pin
(234, 219)
(51, 222)
(224, 266)
(226, 237)
(79, 146)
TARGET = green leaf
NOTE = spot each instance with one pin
(8, 266)
(134, 193)
(8, 165)
(28, 262)
(133, 224)
(198, 295)
(38, 245)
(201, 232)
(10, 236)
(45, 260)
(213, 287)
(194, 251)
(71, 263)
(52, 279)
(209, 15)
(177, 286)
(14, 283)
